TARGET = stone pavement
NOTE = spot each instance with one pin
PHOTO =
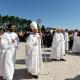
(52, 70)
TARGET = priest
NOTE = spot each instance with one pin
(33, 51)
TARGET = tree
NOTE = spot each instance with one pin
(1, 20)
(42, 28)
(21, 24)
(28, 25)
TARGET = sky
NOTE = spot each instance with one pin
(53, 13)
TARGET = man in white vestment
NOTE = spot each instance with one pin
(33, 51)
(75, 42)
(66, 38)
(58, 46)
(6, 42)
(15, 43)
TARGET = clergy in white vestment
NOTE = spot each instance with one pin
(15, 43)
(66, 37)
(75, 42)
(33, 51)
(57, 53)
(6, 42)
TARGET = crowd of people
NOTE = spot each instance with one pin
(59, 41)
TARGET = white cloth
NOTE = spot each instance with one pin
(6, 43)
(62, 44)
(78, 44)
(57, 47)
(14, 45)
(2, 59)
(66, 38)
(75, 43)
(33, 50)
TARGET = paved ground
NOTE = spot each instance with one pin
(52, 70)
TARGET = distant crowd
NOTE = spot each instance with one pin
(47, 37)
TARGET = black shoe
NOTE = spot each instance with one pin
(62, 59)
(35, 76)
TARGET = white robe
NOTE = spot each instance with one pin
(66, 37)
(14, 45)
(78, 45)
(62, 44)
(75, 43)
(6, 43)
(2, 58)
(33, 58)
(56, 47)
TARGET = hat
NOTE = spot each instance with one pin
(33, 25)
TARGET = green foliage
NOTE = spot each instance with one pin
(21, 24)
(42, 28)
